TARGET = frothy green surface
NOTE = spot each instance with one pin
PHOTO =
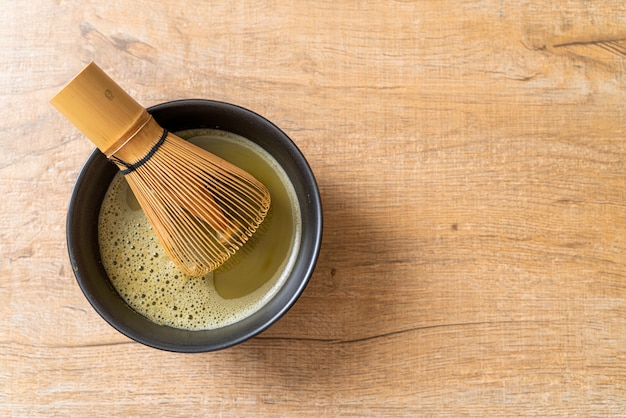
(151, 284)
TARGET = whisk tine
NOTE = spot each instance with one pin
(202, 208)
(214, 209)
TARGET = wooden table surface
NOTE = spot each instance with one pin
(472, 165)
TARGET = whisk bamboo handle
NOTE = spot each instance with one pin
(101, 109)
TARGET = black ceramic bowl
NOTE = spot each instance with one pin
(82, 230)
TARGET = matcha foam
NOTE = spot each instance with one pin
(151, 284)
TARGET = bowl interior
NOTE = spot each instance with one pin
(93, 182)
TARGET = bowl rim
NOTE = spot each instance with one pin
(249, 326)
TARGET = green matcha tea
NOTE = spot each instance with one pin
(150, 283)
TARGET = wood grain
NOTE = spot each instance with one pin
(471, 160)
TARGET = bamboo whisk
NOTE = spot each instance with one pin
(202, 208)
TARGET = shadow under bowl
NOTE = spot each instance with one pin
(82, 230)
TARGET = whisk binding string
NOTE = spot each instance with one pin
(132, 167)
